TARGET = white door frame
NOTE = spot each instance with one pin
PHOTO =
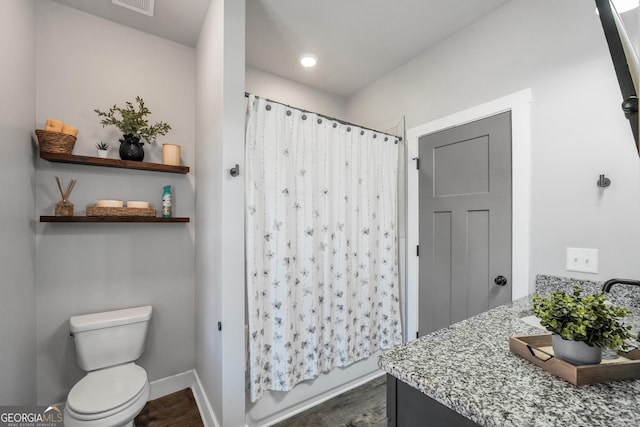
(518, 103)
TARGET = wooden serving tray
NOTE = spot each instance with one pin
(93, 210)
(537, 349)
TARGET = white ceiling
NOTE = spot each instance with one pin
(356, 41)
(176, 20)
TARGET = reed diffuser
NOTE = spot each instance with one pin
(64, 207)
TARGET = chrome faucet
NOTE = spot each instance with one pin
(606, 287)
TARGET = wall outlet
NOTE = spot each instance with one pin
(582, 259)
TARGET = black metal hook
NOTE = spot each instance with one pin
(603, 181)
(235, 171)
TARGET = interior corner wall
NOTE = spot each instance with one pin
(220, 354)
(279, 89)
(17, 172)
(558, 50)
(85, 62)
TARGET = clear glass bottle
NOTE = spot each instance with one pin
(64, 208)
(609, 353)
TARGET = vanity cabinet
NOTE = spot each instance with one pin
(408, 407)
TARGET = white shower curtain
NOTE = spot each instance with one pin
(322, 256)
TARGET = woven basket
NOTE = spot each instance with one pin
(93, 210)
(55, 142)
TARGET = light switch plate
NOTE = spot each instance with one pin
(583, 260)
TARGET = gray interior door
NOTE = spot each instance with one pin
(465, 221)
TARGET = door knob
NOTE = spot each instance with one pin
(500, 280)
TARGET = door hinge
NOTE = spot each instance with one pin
(417, 336)
(417, 159)
(417, 250)
(219, 326)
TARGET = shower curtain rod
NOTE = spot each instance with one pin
(246, 94)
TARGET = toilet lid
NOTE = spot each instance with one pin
(103, 390)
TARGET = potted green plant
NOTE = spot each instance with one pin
(582, 325)
(103, 149)
(135, 128)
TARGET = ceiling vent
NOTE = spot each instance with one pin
(141, 6)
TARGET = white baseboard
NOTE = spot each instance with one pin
(168, 385)
(206, 411)
(188, 379)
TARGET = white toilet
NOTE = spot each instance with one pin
(115, 389)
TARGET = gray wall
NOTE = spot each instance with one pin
(578, 131)
(220, 210)
(85, 62)
(17, 249)
(295, 94)
(208, 343)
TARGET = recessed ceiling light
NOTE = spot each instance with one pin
(308, 60)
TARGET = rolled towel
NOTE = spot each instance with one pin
(53, 125)
(70, 130)
(137, 204)
(109, 203)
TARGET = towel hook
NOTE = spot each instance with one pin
(603, 181)
(235, 171)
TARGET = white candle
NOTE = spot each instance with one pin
(171, 154)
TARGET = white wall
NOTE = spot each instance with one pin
(295, 94)
(17, 249)
(219, 209)
(85, 62)
(578, 131)
(208, 350)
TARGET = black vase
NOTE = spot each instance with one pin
(131, 148)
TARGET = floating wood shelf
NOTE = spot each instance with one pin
(112, 163)
(46, 218)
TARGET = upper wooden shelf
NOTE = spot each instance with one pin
(112, 163)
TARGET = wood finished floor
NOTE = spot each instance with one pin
(177, 409)
(364, 406)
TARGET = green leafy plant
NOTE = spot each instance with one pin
(588, 318)
(102, 146)
(132, 121)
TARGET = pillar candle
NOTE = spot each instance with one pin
(171, 154)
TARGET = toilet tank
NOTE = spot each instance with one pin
(110, 338)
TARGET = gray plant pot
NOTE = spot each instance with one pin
(576, 352)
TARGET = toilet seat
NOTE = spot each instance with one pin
(107, 391)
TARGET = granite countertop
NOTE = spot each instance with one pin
(468, 367)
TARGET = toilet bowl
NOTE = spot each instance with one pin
(108, 397)
(115, 389)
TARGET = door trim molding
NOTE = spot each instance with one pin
(519, 105)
